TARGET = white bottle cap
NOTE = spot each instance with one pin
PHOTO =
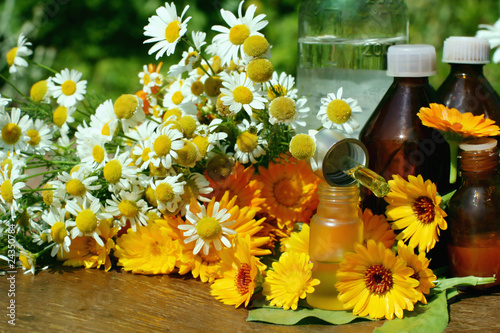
(411, 60)
(466, 50)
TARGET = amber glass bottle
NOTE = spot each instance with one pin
(335, 228)
(394, 136)
(474, 212)
(466, 88)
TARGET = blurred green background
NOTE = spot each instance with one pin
(104, 38)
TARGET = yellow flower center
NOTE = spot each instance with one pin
(217, 64)
(86, 221)
(6, 191)
(172, 31)
(197, 88)
(24, 219)
(98, 153)
(164, 192)
(112, 171)
(176, 112)
(146, 79)
(212, 85)
(378, 279)
(275, 91)
(247, 142)
(162, 145)
(188, 125)
(38, 90)
(282, 108)
(60, 115)
(125, 106)
(75, 188)
(190, 55)
(222, 109)
(338, 111)
(47, 195)
(302, 147)
(7, 162)
(11, 133)
(145, 154)
(151, 196)
(106, 130)
(423, 207)
(242, 95)
(255, 46)
(11, 55)
(74, 169)
(208, 228)
(128, 208)
(25, 261)
(287, 192)
(238, 34)
(34, 137)
(187, 155)
(58, 232)
(243, 279)
(177, 98)
(260, 70)
(191, 190)
(202, 143)
(156, 250)
(68, 87)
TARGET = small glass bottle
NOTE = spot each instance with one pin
(334, 229)
(396, 140)
(466, 88)
(474, 212)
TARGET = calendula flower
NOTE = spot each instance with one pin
(14, 56)
(414, 207)
(240, 92)
(337, 112)
(290, 192)
(230, 40)
(290, 279)
(91, 253)
(239, 274)
(492, 34)
(456, 126)
(420, 265)
(374, 282)
(298, 241)
(165, 29)
(249, 144)
(149, 250)
(14, 130)
(377, 228)
(67, 87)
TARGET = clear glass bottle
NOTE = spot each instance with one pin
(466, 88)
(343, 43)
(474, 212)
(396, 139)
(334, 229)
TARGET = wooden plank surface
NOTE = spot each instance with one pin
(79, 300)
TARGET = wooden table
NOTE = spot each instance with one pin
(89, 300)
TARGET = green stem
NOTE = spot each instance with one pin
(13, 86)
(42, 66)
(453, 160)
(35, 175)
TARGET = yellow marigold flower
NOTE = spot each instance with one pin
(373, 281)
(420, 264)
(290, 279)
(239, 274)
(377, 228)
(298, 241)
(414, 207)
(149, 250)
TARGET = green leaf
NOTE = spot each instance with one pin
(429, 318)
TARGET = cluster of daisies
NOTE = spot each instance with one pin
(202, 171)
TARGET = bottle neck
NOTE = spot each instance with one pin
(412, 81)
(466, 69)
(338, 202)
(478, 164)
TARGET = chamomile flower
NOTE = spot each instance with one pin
(77, 184)
(175, 99)
(14, 56)
(286, 110)
(206, 136)
(168, 192)
(10, 189)
(164, 144)
(3, 103)
(249, 145)
(148, 79)
(39, 91)
(197, 187)
(190, 60)
(128, 207)
(337, 112)
(14, 131)
(62, 116)
(128, 109)
(241, 92)
(208, 227)
(58, 230)
(90, 147)
(87, 217)
(105, 120)
(230, 40)
(282, 85)
(67, 88)
(119, 171)
(165, 29)
(192, 90)
(40, 136)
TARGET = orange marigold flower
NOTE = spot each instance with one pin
(377, 228)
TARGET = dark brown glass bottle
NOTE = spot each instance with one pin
(474, 212)
(396, 140)
(466, 88)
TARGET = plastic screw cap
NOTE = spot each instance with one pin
(466, 50)
(411, 60)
